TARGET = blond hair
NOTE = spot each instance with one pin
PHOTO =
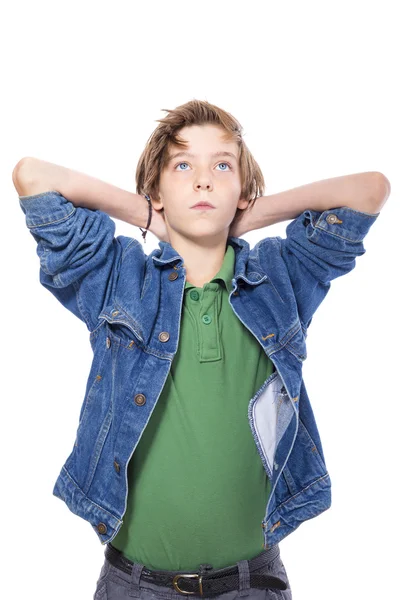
(196, 112)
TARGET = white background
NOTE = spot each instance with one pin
(315, 86)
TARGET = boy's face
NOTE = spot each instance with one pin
(187, 180)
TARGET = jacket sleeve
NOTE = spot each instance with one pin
(77, 250)
(319, 247)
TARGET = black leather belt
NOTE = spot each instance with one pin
(217, 581)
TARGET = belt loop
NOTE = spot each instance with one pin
(244, 577)
(135, 580)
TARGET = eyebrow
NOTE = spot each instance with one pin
(214, 154)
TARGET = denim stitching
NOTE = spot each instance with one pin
(53, 222)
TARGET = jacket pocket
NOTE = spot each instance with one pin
(121, 331)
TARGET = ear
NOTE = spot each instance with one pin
(157, 203)
(243, 203)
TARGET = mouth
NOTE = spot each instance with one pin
(203, 205)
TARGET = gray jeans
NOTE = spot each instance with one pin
(115, 584)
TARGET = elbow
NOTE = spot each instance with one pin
(383, 184)
(22, 174)
(381, 192)
(20, 169)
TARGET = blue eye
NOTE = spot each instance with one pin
(185, 163)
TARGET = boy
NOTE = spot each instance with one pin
(206, 337)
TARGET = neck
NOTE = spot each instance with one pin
(202, 259)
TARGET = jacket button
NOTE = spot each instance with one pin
(108, 342)
(115, 313)
(332, 218)
(140, 399)
(172, 276)
(116, 466)
(164, 336)
(102, 528)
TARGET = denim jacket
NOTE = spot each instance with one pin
(131, 304)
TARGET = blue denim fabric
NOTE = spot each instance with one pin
(129, 301)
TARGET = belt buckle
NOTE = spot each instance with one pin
(191, 575)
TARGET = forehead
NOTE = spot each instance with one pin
(204, 131)
(203, 141)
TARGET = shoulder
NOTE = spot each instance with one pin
(267, 247)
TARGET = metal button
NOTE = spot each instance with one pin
(194, 294)
(102, 528)
(332, 218)
(164, 336)
(206, 319)
(116, 466)
(108, 342)
(140, 399)
(172, 276)
(115, 313)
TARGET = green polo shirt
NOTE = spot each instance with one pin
(197, 487)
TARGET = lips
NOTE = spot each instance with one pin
(205, 204)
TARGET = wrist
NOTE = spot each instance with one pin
(149, 218)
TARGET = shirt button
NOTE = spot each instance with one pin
(116, 466)
(102, 528)
(164, 336)
(115, 313)
(108, 342)
(206, 319)
(194, 294)
(140, 399)
(332, 218)
(172, 276)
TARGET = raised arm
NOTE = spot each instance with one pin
(365, 192)
(33, 176)
(80, 257)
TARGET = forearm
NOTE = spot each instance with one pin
(33, 176)
(366, 192)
